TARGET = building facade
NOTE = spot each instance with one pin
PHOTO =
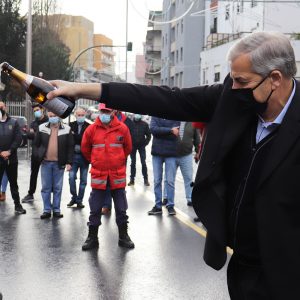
(104, 55)
(228, 21)
(182, 41)
(152, 48)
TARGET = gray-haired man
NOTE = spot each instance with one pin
(248, 174)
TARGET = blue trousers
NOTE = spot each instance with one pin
(52, 181)
(96, 202)
(80, 164)
(4, 183)
(170, 173)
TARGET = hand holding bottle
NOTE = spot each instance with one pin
(75, 90)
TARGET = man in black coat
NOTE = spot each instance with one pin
(248, 174)
(78, 128)
(141, 136)
(39, 118)
(10, 141)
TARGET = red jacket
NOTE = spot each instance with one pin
(107, 148)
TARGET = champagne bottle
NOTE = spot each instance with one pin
(38, 88)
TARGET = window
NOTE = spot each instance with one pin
(181, 54)
(217, 72)
(214, 25)
(240, 6)
(227, 11)
(176, 56)
(253, 3)
(177, 29)
(204, 72)
(181, 79)
(181, 26)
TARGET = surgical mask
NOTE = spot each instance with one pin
(105, 118)
(246, 96)
(53, 120)
(137, 117)
(80, 120)
(37, 114)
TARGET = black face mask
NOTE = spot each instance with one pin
(247, 98)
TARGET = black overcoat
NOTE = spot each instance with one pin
(277, 197)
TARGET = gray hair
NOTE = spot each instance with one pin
(268, 51)
(79, 108)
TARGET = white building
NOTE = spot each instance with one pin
(227, 21)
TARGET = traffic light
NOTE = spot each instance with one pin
(129, 46)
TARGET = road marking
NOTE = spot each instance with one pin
(180, 215)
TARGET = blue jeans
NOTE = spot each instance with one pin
(52, 181)
(185, 163)
(170, 172)
(78, 163)
(4, 183)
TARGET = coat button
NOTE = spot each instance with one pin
(213, 163)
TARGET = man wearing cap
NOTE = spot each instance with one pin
(106, 145)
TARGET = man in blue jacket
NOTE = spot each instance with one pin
(164, 150)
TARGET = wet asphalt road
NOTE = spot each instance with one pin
(42, 259)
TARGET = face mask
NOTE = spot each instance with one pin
(104, 118)
(246, 96)
(80, 120)
(137, 117)
(53, 120)
(37, 114)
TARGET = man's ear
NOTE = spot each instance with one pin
(276, 79)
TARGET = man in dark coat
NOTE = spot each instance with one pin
(248, 175)
(80, 164)
(39, 118)
(10, 141)
(141, 136)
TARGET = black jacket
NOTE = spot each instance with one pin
(190, 138)
(35, 126)
(140, 134)
(65, 143)
(78, 136)
(278, 188)
(10, 138)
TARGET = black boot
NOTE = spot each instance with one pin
(92, 239)
(124, 239)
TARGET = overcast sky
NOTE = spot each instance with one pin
(109, 17)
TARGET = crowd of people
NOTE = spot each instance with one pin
(103, 148)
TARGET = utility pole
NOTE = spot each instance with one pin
(28, 64)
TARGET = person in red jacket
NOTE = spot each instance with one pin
(106, 145)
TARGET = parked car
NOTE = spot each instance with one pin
(22, 121)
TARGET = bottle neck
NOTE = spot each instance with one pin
(21, 77)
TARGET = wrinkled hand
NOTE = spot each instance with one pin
(5, 154)
(175, 131)
(68, 167)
